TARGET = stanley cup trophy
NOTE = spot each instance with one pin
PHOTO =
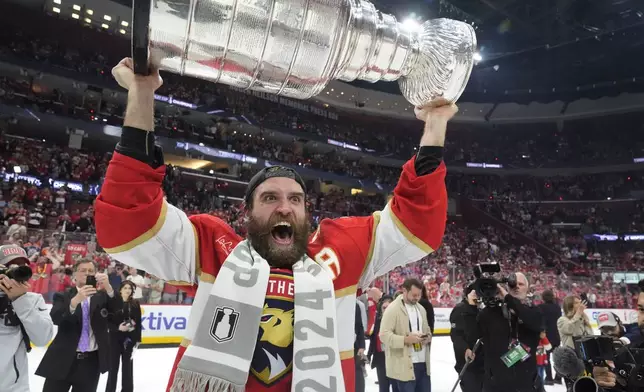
(295, 47)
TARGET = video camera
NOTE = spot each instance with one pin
(597, 350)
(486, 283)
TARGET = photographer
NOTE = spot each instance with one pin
(602, 375)
(464, 333)
(24, 318)
(610, 324)
(510, 335)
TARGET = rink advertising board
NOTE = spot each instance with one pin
(166, 324)
(162, 324)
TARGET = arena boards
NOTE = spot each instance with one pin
(166, 324)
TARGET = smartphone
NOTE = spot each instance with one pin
(424, 336)
(91, 281)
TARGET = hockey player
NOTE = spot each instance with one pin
(271, 313)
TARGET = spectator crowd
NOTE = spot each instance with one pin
(542, 225)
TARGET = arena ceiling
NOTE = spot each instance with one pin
(530, 47)
(541, 49)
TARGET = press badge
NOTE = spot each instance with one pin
(517, 353)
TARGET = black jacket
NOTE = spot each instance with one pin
(60, 356)
(131, 311)
(551, 313)
(429, 308)
(464, 333)
(359, 331)
(496, 332)
(376, 358)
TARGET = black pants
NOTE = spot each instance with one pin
(82, 377)
(119, 351)
(384, 382)
(360, 382)
(472, 381)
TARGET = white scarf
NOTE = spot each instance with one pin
(222, 350)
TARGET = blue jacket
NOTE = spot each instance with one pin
(633, 333)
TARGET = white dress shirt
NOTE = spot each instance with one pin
(416, 323)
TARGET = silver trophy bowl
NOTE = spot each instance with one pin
(295, 47)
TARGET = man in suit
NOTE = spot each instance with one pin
(80, 350)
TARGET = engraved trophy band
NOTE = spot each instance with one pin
(295, 47)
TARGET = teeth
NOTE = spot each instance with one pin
(282, 224)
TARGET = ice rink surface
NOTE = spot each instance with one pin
(152, 367)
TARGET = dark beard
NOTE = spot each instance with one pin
(260, 237)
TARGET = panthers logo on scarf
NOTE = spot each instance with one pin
(273, 357)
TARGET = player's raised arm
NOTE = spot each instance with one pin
(412, 224)
(410, 227)
(134, 223)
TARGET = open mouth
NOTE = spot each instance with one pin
(282, 233)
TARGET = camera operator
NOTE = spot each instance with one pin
(602, 375)
(24, 318)
(464, 333)
(610, 324)
(510, 333)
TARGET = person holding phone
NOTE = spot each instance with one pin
(574, 323)
(125, 336)
(80, 350)
(405, 333)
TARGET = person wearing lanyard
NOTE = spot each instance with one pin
(406, 335)
(510, 334)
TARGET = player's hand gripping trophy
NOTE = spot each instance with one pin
(295, 47)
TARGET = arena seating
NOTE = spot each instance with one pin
(544, 225)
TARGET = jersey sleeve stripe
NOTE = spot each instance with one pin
(348, 354)
(408, 234)
(372, 245)
(145, 236)
(169, 252)
(206, 277)
(392, 245)
(197, 251)
(351, 290)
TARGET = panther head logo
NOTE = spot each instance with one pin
(277, 326)
(276, 341)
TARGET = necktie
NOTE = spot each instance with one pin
(83, 344)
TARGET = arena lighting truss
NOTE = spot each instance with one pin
(85, 14)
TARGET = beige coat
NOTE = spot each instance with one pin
(393, 329)
(572, 328)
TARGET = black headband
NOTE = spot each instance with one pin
(270, 172)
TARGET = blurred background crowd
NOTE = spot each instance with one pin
(566, 231)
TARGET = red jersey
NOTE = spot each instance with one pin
(542, 351)
(136, 226)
